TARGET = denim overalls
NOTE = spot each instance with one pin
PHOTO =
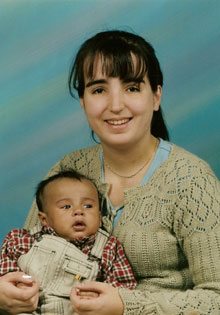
(57, 265)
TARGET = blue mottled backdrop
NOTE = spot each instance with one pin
(40, 122)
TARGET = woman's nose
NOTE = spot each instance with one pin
(116, 102)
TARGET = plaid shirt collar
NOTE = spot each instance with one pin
(79, 242)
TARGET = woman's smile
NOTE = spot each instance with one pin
(118, 122)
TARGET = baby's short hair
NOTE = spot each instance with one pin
(69, 173)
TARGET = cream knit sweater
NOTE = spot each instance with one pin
(170, 230)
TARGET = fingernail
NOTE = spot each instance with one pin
(26, 277)
(81, 284)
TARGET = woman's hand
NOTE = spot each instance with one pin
(17, 299)
(96, 298)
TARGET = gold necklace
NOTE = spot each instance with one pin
(136, 172)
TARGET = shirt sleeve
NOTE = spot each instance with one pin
(16, 243)
(115, 266)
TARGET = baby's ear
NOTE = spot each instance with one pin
(101, 223)
(42, 217)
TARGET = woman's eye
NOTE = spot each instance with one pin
(133, 89)
(66, 207)
(98, 91)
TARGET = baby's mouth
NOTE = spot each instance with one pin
(79, 226)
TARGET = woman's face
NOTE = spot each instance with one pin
(119, 112)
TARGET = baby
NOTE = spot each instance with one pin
(69, 245)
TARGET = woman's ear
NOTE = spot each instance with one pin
(42, 217)
(82, 102)
(157, 97)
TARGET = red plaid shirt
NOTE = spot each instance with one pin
(114, 266)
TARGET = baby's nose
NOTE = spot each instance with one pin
(78, 211)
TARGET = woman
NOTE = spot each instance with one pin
(161, 201)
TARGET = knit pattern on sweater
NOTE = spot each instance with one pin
(170, 232)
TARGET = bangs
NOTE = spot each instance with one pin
(115, 54)
(125, 65)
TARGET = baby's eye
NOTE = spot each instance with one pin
(87, 206)
(66, 207)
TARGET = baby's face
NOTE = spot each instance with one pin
(71, 208)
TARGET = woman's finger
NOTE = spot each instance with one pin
(92, 286)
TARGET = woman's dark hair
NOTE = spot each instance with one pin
(116, 49)
(72, 174)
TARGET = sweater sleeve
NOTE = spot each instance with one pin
(115, 266)
(197, 229)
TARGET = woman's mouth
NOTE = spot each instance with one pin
(118, 122)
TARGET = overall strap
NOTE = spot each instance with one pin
(35, 229)
(100, 242)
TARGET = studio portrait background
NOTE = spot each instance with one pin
(40, 122)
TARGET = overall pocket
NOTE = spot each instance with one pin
(38, 263)
(72, 267)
